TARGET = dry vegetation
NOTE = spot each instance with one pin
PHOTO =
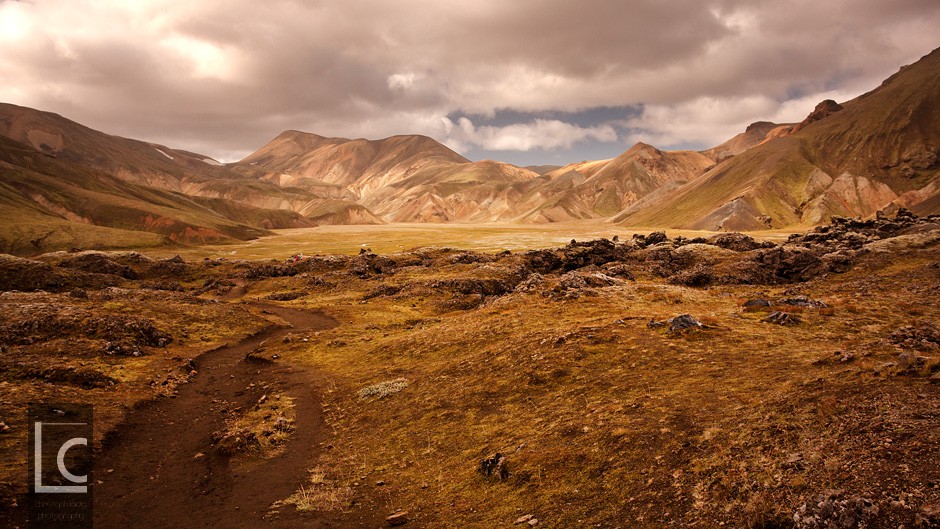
(444, 358)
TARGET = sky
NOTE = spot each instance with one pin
(524, 81)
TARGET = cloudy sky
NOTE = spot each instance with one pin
(524, 81)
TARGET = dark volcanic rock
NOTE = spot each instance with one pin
(834, 510)
(494, 467)
(803, 301)
(782, 318)
(922, 336)
(756, 304)
(26, 275)
(576, 255)
(823, 109)
(656, 237)
(786, 264)
(683, 322)
(99, 264)
(738, 242)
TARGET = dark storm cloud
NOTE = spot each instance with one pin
(487, 77)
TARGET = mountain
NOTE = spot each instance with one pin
(48, 203)
(754, 135)
(146, 163)
(398, 179)
(877, 151)
(604, 188)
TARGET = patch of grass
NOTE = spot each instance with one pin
(319, 494)
(383, 389)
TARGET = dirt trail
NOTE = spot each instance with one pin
(151, 476)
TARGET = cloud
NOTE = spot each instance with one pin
(225, 76)
(707, 121)
(539, 134)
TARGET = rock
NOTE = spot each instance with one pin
(927, 517)
(535, 281)
(619, 270)
(494, 467)
(803, 301)
(823, 109)
(78, 293)
(910, 362)
(756, 304)
(578, 280)
(576, 255)
(683, 322)
(17, 273)
(533, 522)
(782, 318)
(4, 427)
(656, 237)
(833, 510)
(738, 242)
(788, 264)
(922, 336)
(698, 275)
(98, 263)
(399, 518)
(523, 519)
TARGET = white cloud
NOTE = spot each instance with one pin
(707, 121)
(539, 134)
(225, 76)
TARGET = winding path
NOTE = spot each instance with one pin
(149, 470)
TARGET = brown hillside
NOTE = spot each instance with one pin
(880, 151)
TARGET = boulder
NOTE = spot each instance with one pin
(782, 318)
(494, 467)
(756, 304)
(683, 322)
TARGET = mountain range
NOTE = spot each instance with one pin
(63, 184)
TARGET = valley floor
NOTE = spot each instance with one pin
(389, 238)
(474, 389)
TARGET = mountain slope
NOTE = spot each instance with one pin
(145, 163)
(879, 151)
(48, 204)
(397, 179)
(604, 188)
(751, 137)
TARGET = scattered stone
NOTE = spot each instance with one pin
(578, 280)
(619, 270)
(4, 427)
(922, 336)
(523, 519)
(928, 517)
(910, 362)
(833, 510)
(533, 522)
(803, 301)
(756, 304)
(683, 322)
(494, 467)
(399, 518)
(78, 293)
(782, 318)
(534, 282)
